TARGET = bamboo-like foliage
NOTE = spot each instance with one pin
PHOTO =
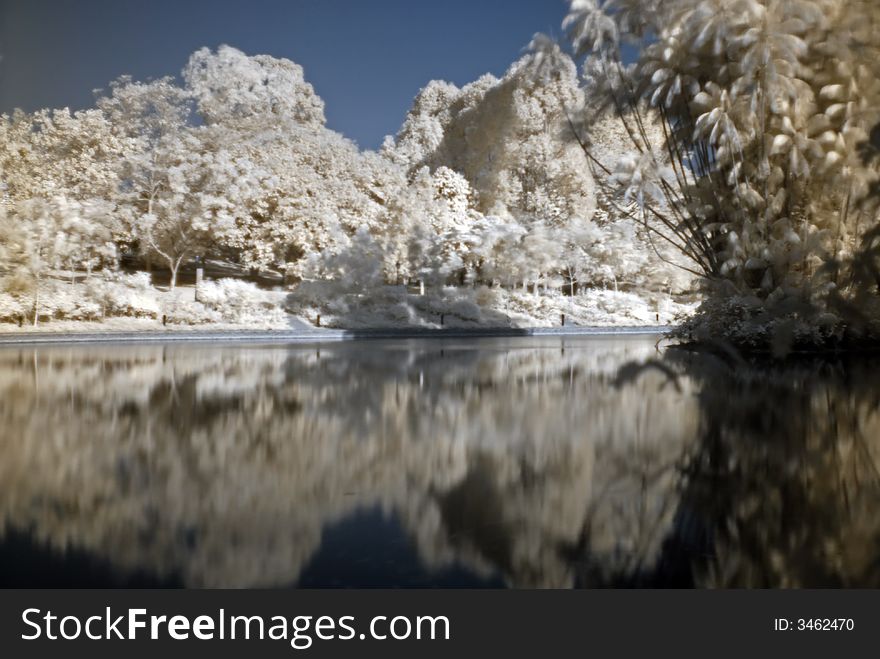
(765, 173)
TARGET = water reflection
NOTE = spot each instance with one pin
(783, 485)
(520, 462)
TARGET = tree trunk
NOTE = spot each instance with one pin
(174, 265)
(36, 302)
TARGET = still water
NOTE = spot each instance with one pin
(518, 462)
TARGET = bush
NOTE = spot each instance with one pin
(12, 308)
(237, 301)
(63, 301)
(57, 300)
(188, 312)
(124, 295)
(750, 324)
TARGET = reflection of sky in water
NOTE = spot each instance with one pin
(521, 462)
(368, 549)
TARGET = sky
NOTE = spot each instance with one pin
(366, 58)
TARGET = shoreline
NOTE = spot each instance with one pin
(314, 335)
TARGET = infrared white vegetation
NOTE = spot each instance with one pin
(767, 175)
(735, 151)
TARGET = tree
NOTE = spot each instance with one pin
(56, 151)
(511, 140)
(505, 137)
(39, 235)
(66, 161)
(164, 172)
(310, 189)
(231, 86)
(422, 225)
(763, 103)
(57, 171)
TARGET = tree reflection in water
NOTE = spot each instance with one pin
(783, 484)
(528, 462)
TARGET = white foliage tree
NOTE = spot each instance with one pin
(311, 189)
(511, 139)
(230, 86)
(766, 107)
(58, 176)
(174, 181)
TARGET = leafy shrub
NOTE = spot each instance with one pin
(125, 295)
(12, 308)
(237, 301)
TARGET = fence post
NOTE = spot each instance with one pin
(200, 275)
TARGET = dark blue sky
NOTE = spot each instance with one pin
(366, 58)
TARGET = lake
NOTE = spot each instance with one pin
(509, 462)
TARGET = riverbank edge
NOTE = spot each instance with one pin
(317, 335)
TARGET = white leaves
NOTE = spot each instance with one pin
(661, 75)
(229, 84)
(770, 100)
(703, 101)
(706, 122)
(638, 179)
(735, 173)
(590, 28)
(798, 165)
(750, 196)
(547, 60)
(778, 203)
(730, 266)
(718, 125)
(828, 139)
(670, 66)
(833, 93)
(836, 112)
(781, 145)
(833, 160)
(765, 122)
(818, 123)
(658, 97)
